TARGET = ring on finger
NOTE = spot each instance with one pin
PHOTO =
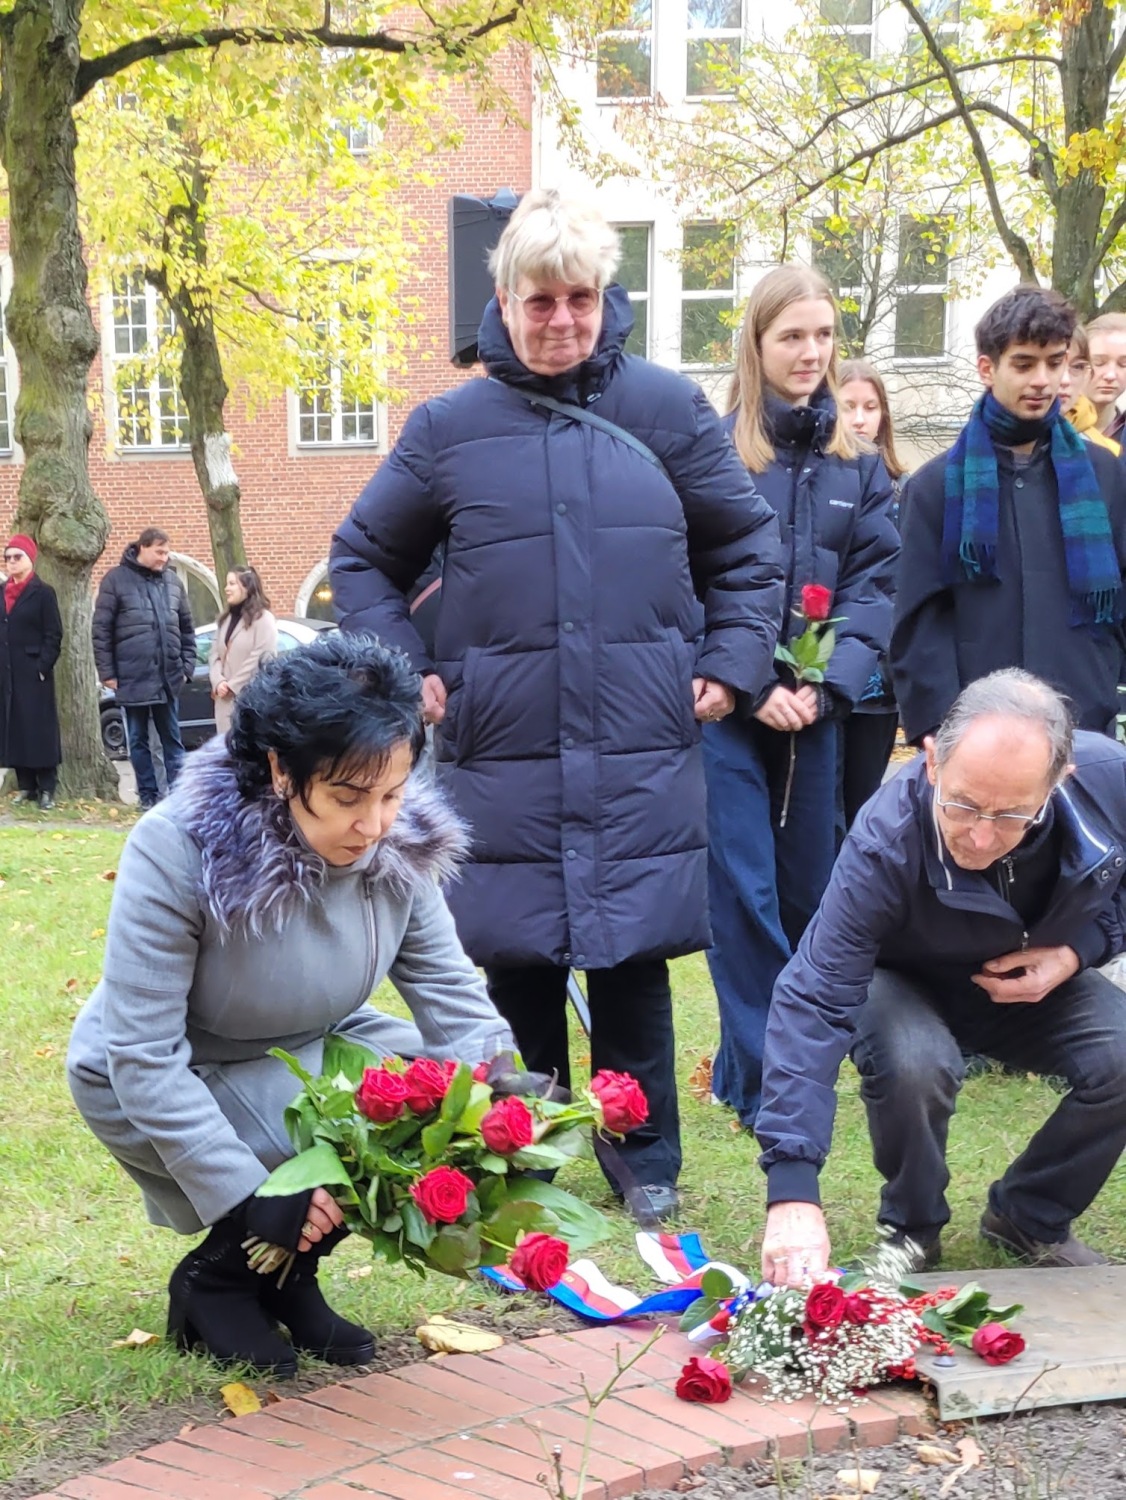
(307, 1230)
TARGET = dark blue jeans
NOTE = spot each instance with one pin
(764, 880)
(908, 1049)
(631, 1031)
(166, 718)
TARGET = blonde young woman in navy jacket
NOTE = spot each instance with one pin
(833, 499)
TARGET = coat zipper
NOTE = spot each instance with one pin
(370, 904)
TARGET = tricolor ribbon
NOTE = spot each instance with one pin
(679, 1260)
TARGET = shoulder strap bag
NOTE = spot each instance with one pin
(581, 414)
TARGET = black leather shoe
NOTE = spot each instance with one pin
(1000, 1231)
(300, 1305)
(46, 801)
(653, 1204)
(213, 1306)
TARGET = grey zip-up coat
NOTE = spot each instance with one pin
(227, 936)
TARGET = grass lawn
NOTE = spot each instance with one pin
(79, 1267)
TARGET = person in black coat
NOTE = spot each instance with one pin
(772, 768)
(1022, 562)
(144, 648)
(611, 579)
(31, 637)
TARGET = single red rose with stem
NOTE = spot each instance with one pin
(705, 1380)
(996, 1344)
(539, 1260)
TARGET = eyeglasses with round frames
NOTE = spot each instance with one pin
(14, 556)
(540, 307)
(963, 816)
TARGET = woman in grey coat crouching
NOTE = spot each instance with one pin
(294, 868)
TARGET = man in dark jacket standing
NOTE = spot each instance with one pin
(973, 899)
(1014, 541)
(144, 648)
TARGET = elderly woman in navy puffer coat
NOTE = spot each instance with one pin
(612, 579)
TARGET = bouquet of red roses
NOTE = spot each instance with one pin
(430, 1161)
(835, 1338)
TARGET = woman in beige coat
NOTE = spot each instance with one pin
(246, 633)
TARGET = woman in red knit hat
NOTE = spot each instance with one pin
(31, 635)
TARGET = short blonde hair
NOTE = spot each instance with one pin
(552, 238)
(769, 299)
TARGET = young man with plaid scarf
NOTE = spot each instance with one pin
(1014, 541)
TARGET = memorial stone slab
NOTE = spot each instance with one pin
(1075, 1335)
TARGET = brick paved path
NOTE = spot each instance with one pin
(484, 1424)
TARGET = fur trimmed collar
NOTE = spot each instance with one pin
(258, 873)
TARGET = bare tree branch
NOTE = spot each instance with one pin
(1102, 247)
(92, 70)
(1117, 53)
(1015, 244)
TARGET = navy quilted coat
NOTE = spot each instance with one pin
(583, 589)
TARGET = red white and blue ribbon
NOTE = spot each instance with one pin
(678, 1260)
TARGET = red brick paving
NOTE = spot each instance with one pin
(477, 1425)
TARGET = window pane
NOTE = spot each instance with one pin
(715, 15)
(633, 273)
(705, 339)
(847, 12)
(5, 420)
(923, 256)
(837, 253)
(709, 258)
(852, 343)
(624, 67)
(320, 603)
(202, 597)
(134, 415)
(920, 325)
(712, 66)
(638, 341)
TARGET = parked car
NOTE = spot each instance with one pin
(197, 710)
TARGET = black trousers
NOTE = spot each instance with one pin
(36, 779)
(866, 743)
(631, 1031)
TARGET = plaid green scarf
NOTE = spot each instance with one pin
(970, 522)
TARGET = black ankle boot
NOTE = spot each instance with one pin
(213, 1304)
(300, 1305)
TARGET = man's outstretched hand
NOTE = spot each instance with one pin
(795, 1246)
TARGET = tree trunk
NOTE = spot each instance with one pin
(1085, 78)
(53, 335)
(205, 392)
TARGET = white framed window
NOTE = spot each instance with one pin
(202, 587)
(149, 408)
(922, 279)
(331, 411)
(715, 45)
(707, 297)
(853, 20)
(837, 251)
(314, 598)
(360, 136)
(7, 385)
(634, 273)
(625, 55)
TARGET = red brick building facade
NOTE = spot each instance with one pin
(294, 493)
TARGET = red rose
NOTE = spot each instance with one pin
(816, 601)
(427, 1084)
(507, 1127)
(381, 1095)
(857, 1308)
(704, 1379)
(824, 1307)
(539, 1260)
(624, 1105)
(997, 1344)
(442, 1194)
(481, 1072)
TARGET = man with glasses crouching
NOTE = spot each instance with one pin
(973, 900)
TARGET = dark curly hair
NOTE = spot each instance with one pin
(1026, 315)
(337, 707)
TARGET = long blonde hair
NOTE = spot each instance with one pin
(768, 301)
(860, 369)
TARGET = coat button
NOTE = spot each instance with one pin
(568, 626)
(1118, 862)
(579, 960)
(1104, 874)
(560, 509)
(572, 853)
(569, 744)
(1018, 484)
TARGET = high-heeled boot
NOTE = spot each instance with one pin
(300, 1305)
(214, 1304)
